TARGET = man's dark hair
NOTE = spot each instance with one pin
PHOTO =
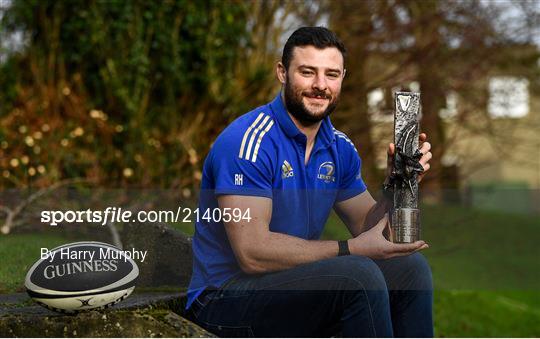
(319, 37)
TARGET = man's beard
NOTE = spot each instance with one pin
(295, 105)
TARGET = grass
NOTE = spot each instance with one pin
(482, 313)
(482, 250)
(485, 265)
(486, 270)
(18, 252)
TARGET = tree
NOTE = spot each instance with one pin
(121, 92)
(444, 46)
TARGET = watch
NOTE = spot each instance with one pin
(343, 248)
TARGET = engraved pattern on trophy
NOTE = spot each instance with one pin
(406, 167)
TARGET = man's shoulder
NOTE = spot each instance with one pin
(259, 118)
(343, 142)
(248, 135)
(349, 159)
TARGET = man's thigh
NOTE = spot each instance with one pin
(307, 300)
(411, 294)
(411, 272)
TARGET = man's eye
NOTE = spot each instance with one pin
(307, 72)
(333, 75)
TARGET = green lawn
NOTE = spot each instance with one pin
(472, 249)
(486, 271)
(17, 253)
(486, 267)
(482, 313)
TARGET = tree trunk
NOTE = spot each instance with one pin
(428, 59)
(351, 22)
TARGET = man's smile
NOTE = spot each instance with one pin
(317, 99)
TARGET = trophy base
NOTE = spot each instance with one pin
(405, 225)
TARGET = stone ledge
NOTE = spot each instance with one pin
(145, 313)
(152, 314)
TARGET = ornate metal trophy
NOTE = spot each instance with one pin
(405, 222)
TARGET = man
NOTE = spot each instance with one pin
(284, 167)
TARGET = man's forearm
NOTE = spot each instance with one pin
(280, 251)
(376, 213)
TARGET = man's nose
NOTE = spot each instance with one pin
(320, 82)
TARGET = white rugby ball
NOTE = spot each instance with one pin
(82, 276)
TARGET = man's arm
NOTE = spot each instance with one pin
(259, 250)
(362, 212)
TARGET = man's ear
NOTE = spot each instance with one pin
(281, 72)
(344, 72)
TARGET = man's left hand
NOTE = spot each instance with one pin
(425, 148)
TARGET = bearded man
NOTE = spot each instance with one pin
(275, 174)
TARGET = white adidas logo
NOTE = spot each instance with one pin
(286, 170)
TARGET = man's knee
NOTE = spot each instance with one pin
(358, 271)
(411, 272)
(420, 271)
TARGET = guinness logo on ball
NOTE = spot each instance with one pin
(53, 271)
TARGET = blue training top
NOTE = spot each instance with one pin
(261, 153)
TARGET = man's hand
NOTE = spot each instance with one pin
(374, 245)
(424, 161)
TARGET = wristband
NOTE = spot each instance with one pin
(343, 248)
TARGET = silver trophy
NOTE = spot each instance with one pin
(405, 221)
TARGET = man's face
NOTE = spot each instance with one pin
(313, 83)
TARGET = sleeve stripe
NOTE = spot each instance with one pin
(247, 133)
(346, 139)
(343, 136)
(255, 131)
(254, 158)
(252, 138)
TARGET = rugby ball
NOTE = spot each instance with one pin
(81, 276)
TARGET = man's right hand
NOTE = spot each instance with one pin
(374, 245)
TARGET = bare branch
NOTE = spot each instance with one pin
(13, 213)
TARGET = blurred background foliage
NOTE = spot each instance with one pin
(132, 93)
(121, 92)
